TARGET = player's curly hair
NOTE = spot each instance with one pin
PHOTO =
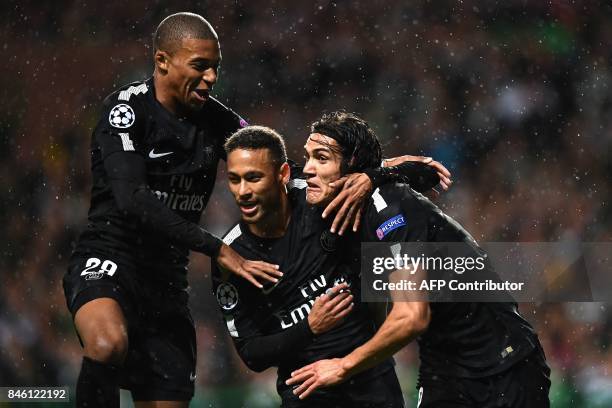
(258, 137)
(176, 27)
(358, 144)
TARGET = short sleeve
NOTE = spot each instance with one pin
(121, 126)
(396, 218)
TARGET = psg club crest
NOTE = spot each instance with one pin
(227, 296)
(122, 116)
(329, 241)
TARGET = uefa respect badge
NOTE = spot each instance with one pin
(390, 225)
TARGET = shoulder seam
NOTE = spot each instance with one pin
(231, 236)
(126, 94)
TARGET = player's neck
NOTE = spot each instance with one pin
(276, 223)
(166, 99)
(162, 95)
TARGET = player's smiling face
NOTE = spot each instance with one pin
(322, 167)
(256, 183)
(192, 72)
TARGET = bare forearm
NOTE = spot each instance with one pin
(389, 339)
(405, 322)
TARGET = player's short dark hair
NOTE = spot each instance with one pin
(258, 137)
(176, 27)
(359, 145)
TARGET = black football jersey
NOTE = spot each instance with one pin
(181, 157)
(463, 339)
(312, 260)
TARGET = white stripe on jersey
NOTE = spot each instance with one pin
(232, 235)
(379, 201)
(396, 249)
(128, 146)
(297, 183)
(132, 90)
(231, 326)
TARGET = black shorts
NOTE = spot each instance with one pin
(161, 359)
(524, 385)
(362, 391)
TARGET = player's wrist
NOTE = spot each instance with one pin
(348, 366)
(373, 174)
(368, 180)
(312, 327)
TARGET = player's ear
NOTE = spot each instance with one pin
(162, 61)
(285, 173)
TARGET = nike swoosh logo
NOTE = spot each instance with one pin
(154, 155)
(192, 377)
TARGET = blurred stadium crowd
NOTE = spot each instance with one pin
(515, 97)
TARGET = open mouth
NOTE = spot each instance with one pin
(201, 94)
(248, 209)
(312, 187)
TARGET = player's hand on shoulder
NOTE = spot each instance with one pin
(330, 308)
(356, 189)
(443, 173)
(253, 271)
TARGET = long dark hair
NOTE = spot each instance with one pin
(359, 145)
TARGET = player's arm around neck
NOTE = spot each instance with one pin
(422, 173)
